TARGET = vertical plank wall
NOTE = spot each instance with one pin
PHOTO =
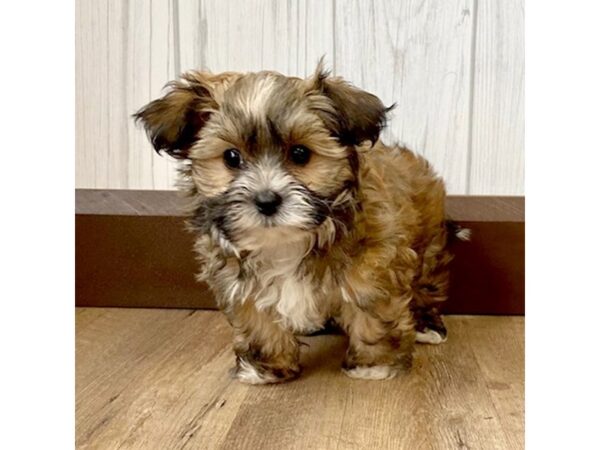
(454, 68)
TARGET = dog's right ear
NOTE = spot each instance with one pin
(173, 121)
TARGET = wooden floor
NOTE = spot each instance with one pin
(158, 379)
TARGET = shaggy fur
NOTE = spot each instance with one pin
(358, 236)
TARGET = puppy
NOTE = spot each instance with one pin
(303, 216)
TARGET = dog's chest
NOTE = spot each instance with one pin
(282, 285)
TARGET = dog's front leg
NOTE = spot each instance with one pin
(381, 336)
(265, 351)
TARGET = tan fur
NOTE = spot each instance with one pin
(377, 263)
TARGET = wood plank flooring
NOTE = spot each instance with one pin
(158, 379)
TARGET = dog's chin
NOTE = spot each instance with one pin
(271, 236)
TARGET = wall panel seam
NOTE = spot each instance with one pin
(474, 13)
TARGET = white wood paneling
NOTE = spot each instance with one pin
(497, 158)
(253, 35)
(150, 65)
(118, 164)
(92, 96)
(457, 106)
(417, 55)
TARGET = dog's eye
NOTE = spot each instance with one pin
(232, 158)
(299, 154)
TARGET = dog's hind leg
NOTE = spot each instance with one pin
(430, 290)
(381, 338)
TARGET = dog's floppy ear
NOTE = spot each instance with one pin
(173, 121)
(357, 115)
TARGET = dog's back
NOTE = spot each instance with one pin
(418, 194)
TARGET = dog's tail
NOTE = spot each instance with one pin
(457, 232)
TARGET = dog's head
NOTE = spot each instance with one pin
(267, 153)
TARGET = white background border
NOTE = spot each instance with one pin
(562, 187)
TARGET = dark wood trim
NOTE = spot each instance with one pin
(128, 202)
(123, 202)
(132, 251)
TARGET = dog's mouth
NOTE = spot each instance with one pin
(287, 221)
(283, 221)
(270, 237)
(256, 231)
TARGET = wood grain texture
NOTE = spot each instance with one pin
(453, 68)
(92, 96)
(158, 379)
(497, 158)
(417, 55)
(150, 65)
(254, 35)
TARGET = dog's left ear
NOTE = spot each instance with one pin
(353, 115)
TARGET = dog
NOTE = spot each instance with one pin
(303, 216)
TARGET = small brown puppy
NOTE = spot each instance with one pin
(302, 215)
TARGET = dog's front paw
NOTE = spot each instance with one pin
(371, 372)
(429, 336)
(248, 373)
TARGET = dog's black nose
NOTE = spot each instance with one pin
(267, 202)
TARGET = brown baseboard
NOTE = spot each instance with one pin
(133, 251)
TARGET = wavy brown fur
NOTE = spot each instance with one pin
(369, 246)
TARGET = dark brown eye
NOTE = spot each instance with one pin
(232, 158)
(299, 155)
